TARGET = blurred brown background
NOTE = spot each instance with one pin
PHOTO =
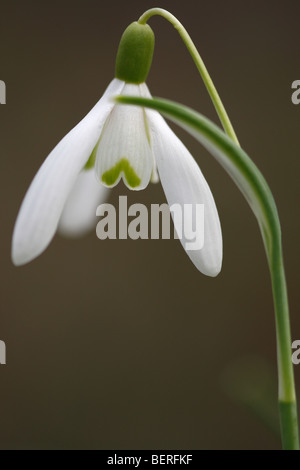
(123, 344)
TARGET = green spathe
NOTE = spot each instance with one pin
(135, 53)
(123, 166)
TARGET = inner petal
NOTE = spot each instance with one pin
(124, 149)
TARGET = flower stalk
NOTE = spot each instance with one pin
(254, 187)
(221, 111)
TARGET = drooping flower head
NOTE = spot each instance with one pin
(116, 142)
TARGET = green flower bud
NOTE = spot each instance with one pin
(135, 53)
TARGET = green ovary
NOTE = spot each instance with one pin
(135, 53)
(123, 166)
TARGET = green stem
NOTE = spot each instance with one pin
(259, 196)
(287, 394)
(272, 240)
(226, 123)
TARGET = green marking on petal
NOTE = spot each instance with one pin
(111, 176)
(146, 127)
(91, 161)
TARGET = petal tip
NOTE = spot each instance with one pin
(213, 272)
(207, 264)
(18, 257)
(25, 250)
(212, 269)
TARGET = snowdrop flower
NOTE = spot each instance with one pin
(115, 141)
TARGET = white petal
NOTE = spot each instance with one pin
(43, 204)
(124, 149)
(183, 183)
(79, 214)
(154, 175)
(145, 93)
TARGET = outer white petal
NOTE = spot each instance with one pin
(183, 183)
(145, 93)
(79, 214)
(124, 139)
(43, 204)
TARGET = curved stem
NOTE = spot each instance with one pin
(271, 233)
(254, 187)
(226, 123)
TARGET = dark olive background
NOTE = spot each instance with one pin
(124, 344)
